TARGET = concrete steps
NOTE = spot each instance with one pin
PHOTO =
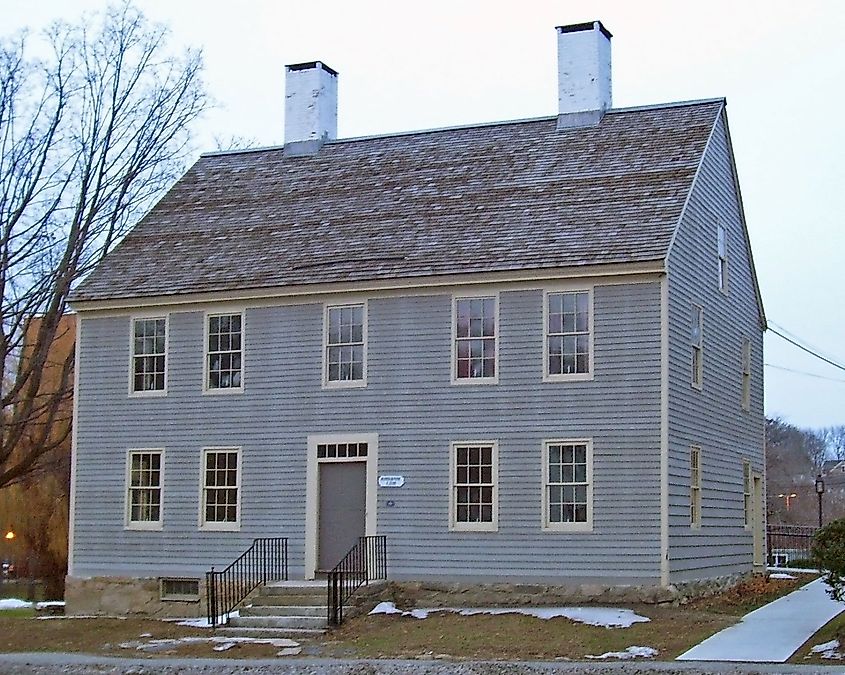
(283, 609)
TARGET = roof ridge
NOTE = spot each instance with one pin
(461, 127)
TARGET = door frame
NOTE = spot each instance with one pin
(312, 489)
(758, 522)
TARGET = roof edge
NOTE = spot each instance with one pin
(460, 127)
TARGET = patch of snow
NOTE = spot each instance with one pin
(289, 651)
(80, 616)
(606, 617)
(828, 650)
(220, 643)
(630, 653)
(50, 603)
(203, 623)
(14, 603)
(781, 575)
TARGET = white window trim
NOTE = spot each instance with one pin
(695, 496)
(454, 334)
(143, 525)
(747, 497)
(455, 526)
(223, 312)
(216, 526)
(700, 384)
(131, 383)
(312, 488)
(567, 377)
(725, 277)
(567, 527)
(344, 384)
(745, 384)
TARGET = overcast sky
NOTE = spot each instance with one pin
(406, 66)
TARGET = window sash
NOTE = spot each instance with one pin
(475, 333)
(746, 492)
(144, 488)
(568, 333)
(746, 373)
(722, 246)
(149, 349)
(224, 351)
(697, 341)
(474, 490)
(221, 487)
(345, 343)
(567, 488)
(695, 487)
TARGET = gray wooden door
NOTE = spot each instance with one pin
(342, 517)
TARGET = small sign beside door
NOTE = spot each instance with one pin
(391, 481)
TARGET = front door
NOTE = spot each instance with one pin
(758, 525)
(342, 514)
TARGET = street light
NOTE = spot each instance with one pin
(820, 492)
(788, 498)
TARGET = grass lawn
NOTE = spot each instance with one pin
(671, 631)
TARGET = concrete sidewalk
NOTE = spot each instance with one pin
(772, 633)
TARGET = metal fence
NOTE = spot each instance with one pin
(789, 545)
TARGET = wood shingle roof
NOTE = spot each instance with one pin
(500, 197)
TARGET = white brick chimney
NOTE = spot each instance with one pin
(310, 107)
(583, 66)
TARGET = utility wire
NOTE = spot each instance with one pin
(804, 372)
(806, 343)
(807, 349)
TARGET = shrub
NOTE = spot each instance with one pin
(828, 552)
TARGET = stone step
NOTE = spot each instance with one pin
(295, 587)
(293, 633)
(307, 622)
(288, 600)
(284, 610)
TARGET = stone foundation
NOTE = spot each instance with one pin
(433, 594)
(125, 596)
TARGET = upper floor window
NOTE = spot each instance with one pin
(149, 355)
(221, 489)
(746, 374)
(224, 356)
(695, 486)
(474, 486)
(143, 496)
(345, 346)
(567, 478)
(697, 340)
(722, 243)
(568, 335)
(475, 339)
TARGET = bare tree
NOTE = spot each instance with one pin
(90, 136)
(834, 437)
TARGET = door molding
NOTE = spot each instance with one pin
(312, 488)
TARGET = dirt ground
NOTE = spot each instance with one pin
(671, 630)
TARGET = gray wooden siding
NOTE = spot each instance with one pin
(712, 418)
(410, 403)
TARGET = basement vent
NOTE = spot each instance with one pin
(186, 590)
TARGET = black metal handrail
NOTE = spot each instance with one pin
(365, 562)
(266, 560)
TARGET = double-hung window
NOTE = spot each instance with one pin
(567, 485)
(345, 345)
(220, 489)
(149, 355)
(474, 486)
(568, 353)
(746, 493)
(695, 486)
(722, 244)
(697, 341)
(475, 335)
(746, 374)
(143, 490)
(224, 352)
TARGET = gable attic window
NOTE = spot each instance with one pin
(568, 336)
(722, 244)
(224, 352)
(697, 340)
(344, 351)
(746, 374)
(149, 355)
(475, 348)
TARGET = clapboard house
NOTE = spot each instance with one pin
(526, 351)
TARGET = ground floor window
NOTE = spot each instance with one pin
(221, 488)
(143, 499)
(474, 486)
(567, 488)
(695, 486)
